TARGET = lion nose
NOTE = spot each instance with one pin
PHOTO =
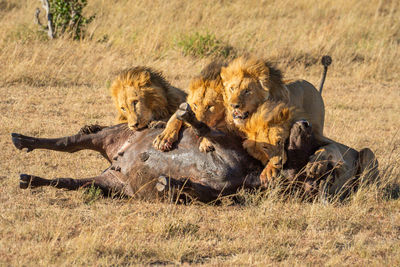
(235, 105)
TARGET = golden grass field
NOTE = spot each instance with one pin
(52, 88)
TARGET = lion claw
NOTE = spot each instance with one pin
(206, 146)
(162, 143)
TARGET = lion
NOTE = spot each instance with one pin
(206, 99)
(335, 166)
(250, 82)
(142, 96)
(267, 132)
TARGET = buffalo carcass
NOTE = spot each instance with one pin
(137, 169)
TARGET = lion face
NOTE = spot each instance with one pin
(268, 146)
(243, 96)
(267, 132)
(132, 106)
(140, 96)
(206, 100)
(250, 82)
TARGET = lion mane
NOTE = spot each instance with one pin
(259, 70)
(251, 82)
(206, 99)
(142, 95)
(267, 132)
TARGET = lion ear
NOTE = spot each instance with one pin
(144, 78)
(263, 78)
(224, 75)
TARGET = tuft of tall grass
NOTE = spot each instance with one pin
(204, 45)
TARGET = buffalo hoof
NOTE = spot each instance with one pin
(162, 183)
(25, 181)
(185, 112)
(21, 141)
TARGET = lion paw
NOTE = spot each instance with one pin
(206, 146)
(165, 140)
(269, 174)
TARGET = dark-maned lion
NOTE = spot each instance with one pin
(142, 95)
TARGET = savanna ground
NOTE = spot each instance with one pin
(52, 88)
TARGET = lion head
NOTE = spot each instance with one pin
(248, 83)
(142, 95)
(206, 96)
(267, 131)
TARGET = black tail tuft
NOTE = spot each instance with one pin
(326, 61)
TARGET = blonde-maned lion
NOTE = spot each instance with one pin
(251, 82)
(340, 168)
(142, 96)
(206, 99)
(267, 131)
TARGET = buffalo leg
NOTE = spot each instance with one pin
(99, 141)
(186, 114)
(107, 183)
(69, 144)
(301, 145)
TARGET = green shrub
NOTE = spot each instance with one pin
(203, 45)
(67, 17)
(92, 194)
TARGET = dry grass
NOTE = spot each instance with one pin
(53, 88)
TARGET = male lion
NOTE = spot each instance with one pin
(337, 166)
(142, 96)
(250, 82)
(267, 131)
(206, 99)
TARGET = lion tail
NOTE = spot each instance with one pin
(325, 61)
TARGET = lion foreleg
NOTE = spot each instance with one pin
(169, 136)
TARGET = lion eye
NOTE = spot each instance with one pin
(231, 89)
(247, 91)
(134, 102)
(123, 109)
